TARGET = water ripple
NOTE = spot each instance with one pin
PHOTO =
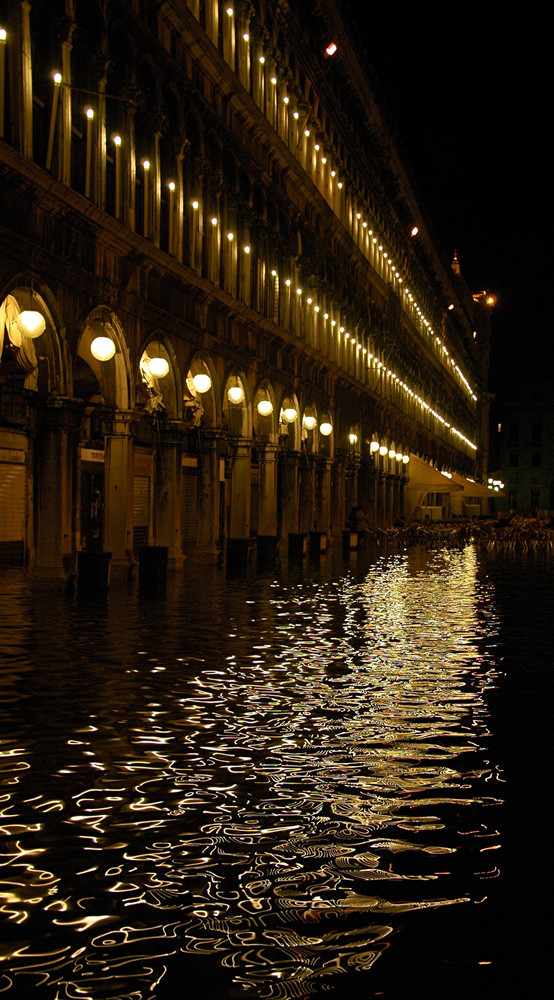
(275, 795)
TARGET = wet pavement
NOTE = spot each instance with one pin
(324, 780)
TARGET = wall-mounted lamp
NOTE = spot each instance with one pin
(309, 421)
(290, 414)
(235, 393)
(202, 382)
(326, 428)
(31, 322)
(102, 348)
(265, 407)
(158, 366)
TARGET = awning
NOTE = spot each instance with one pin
(476, 490)
(424, 478)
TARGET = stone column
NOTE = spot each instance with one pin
(118, 492)
(167, 511)
(290, 493)
(99, 187)
(178, 216)
(156, 191)
(381, 500)
(53, 492)
(338, 497)
(66, 118)
(323, 495)
(373, 516)
(267, 514)
(130, 169)
(239, 515)
(26, 83)
(208, 490)
(389, 508)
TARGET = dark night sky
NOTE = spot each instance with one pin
(468, 88)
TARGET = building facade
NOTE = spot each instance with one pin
(523, 449)
(245, 325)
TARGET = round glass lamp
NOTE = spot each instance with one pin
(290, 414)
(102, 348)
(31, 323)
(326, 428)
(158, 367)
(265, 407)
(202, 382)
(309, 422)
(235, 394)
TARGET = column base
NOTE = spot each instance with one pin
(298, 544)
(318, 543)
(266, 550)
(240, 554)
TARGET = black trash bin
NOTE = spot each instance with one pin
(93, 572)
(318, 543)
(298, 544)
(153, 567)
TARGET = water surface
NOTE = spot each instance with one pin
(312, 783)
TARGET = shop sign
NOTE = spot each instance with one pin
(12, 455)
(90, 455)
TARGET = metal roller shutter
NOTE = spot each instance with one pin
(13, 507)
(141, 510)
(189, 505)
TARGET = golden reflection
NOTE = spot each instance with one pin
(280, 802)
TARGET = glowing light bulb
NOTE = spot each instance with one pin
(235, 394)
(202, 382)
(102, 348)
(31, 323)
(158, 367)
(265, 407)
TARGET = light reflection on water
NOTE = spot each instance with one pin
(257, 779)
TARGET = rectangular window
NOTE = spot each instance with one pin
(513, 434)
(536, 434)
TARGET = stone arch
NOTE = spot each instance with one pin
(43, 358)
(291, 431)
(201, 408)
(265, 425)
(237, 416)
(159, 394)
(111, 380)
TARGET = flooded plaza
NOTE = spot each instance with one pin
(326, 780)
